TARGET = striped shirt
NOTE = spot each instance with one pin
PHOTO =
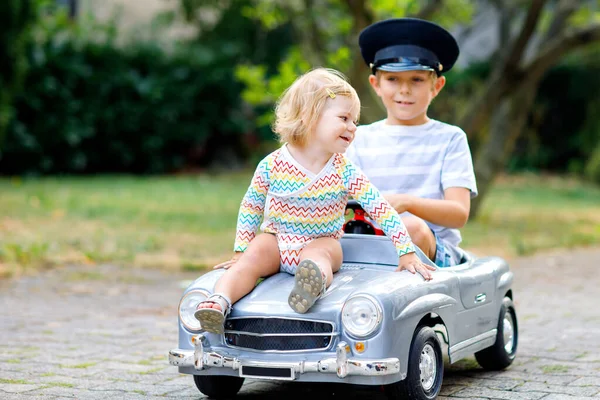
(299, 205)
(422, 160)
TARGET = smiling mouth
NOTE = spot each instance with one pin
(405, 103)
(345, 139)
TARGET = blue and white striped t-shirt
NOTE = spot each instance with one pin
(421, 160)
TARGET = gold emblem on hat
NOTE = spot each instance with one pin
(440, 67)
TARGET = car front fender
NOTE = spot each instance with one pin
(426, 304)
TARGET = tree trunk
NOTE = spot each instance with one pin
(506, 124)
(358, 75)
(511, 90)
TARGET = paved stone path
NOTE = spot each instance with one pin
(104, 333)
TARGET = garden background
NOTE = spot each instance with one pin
(129, 129)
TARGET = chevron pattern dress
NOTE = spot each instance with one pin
(299, 206)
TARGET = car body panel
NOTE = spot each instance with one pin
(453, 298)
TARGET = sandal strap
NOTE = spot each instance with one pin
(222, 300)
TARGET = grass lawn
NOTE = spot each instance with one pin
(188, 222)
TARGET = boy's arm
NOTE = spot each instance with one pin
(371, 200)
(252, 207)
(381, 211)
(451, 212)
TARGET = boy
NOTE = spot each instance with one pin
(423, 166)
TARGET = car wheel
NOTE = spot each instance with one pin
(219, 386)
(502, 353)
(425, 370)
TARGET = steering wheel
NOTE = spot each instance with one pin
(359, 224)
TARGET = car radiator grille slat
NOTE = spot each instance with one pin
(279, 334)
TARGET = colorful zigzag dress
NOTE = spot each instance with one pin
(299, 206)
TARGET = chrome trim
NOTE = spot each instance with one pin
(508, 328)
(341, 359)
(281, 334)
(427, 367)
(280, 351)
(288, 318)
(349, 366)
(473, 345)
(473, 340)
(198, 351)
(480, 298)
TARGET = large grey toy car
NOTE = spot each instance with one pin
(373, 326)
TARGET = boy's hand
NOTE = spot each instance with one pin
(400, 202)
(229, 263)
(413, 264)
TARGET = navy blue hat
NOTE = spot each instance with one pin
(408, 44)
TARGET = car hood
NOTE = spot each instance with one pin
(269, 298)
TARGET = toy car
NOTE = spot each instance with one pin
(373, 326)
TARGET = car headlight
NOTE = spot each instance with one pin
(187, 308)
(361, 315)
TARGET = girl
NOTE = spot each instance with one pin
(300, 193)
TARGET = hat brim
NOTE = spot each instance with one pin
(404, 66)
(409, 32)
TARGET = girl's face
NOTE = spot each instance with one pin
(406, 95)
(335, 128)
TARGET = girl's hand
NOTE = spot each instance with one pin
(228, 264)
(413, 264)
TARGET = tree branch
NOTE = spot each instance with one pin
(503, 74)
(312, 40)
(430, 8)
(561, 45)
(564, 10)
(362, 16)
(506, 16)
(516, 51)
(499, 86)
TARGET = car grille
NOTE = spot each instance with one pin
(278, 334)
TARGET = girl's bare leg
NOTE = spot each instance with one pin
(261, 259)
(421, 235)
(326, 253)
(320, 258)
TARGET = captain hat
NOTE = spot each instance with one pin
(408, 44)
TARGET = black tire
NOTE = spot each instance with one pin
(426, 352)
(218, 386)
(503, 352)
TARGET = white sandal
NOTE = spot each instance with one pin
(310, 283)
(211, 319)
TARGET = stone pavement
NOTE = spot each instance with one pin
(104, 332)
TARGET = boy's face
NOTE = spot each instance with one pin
(406, 95)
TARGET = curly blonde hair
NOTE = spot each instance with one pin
(300, 106)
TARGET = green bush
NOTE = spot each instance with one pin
(564, 125)
(91, 106)
(16, 19)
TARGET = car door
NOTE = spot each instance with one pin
(477, 285)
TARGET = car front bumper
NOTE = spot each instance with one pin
(247, 367)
